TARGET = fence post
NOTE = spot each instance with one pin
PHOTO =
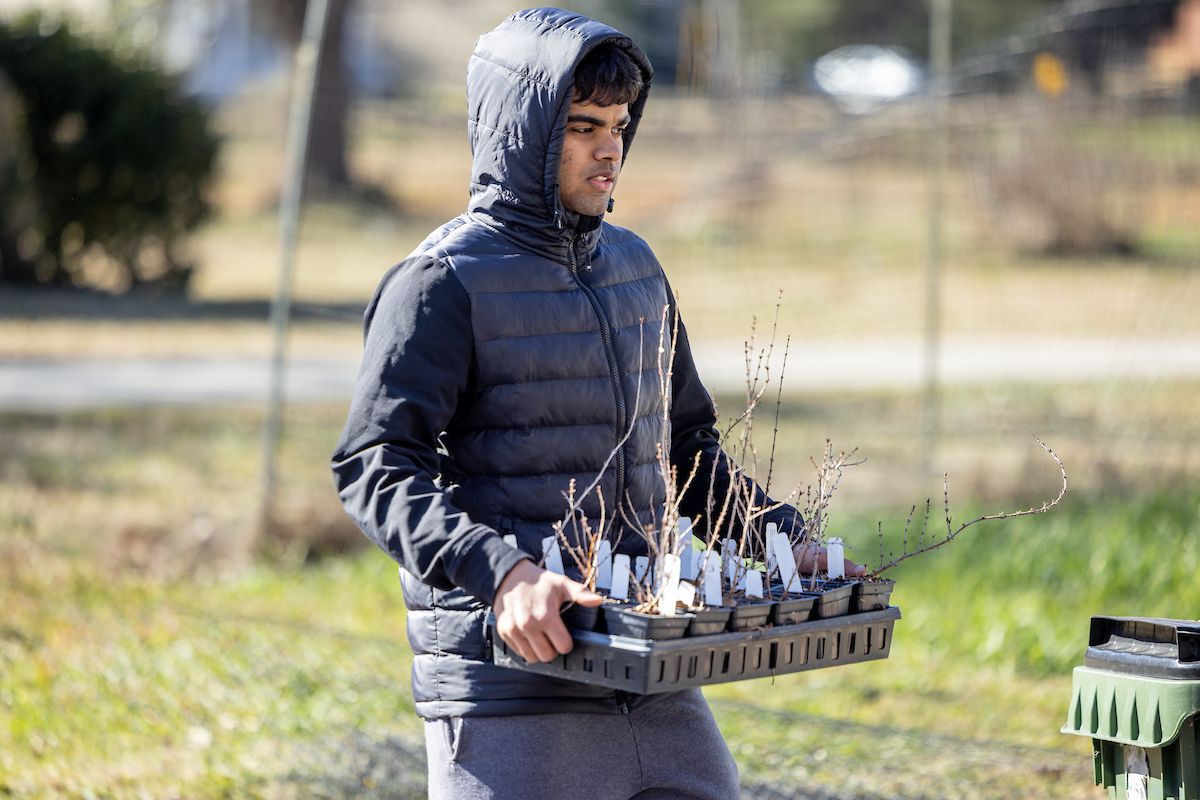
(295, 156)
(939, 90)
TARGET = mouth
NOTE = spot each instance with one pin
(602, 182)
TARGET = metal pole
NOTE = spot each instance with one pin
(939, 57)
(304, 80)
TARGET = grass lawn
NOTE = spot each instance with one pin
(284, 683)
(141, 654)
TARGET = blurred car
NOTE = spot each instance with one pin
(861, 78)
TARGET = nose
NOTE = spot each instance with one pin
(610, 148)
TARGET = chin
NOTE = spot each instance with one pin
(589, 208)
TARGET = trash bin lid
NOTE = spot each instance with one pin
(1129, 709)
(1146, 646)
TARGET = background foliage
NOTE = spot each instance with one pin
(113, 167)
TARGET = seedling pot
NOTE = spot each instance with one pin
(833, 599)
(581, 618)
(624, 621)
(792, 609)
(709, 620)
(749, 614)
(872, 595)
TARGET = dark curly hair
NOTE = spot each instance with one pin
(607, 76)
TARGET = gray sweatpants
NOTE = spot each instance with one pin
(667, 749)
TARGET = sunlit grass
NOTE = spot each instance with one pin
(119, 684)
(142, 650)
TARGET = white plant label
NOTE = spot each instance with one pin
(786, 561)
(772, 565)
(604, 564)
(835, 554)
(712, 579)
(668, 593)
(620, 577)
(730, 560)
(702, 564)
(552, 556)
(510, 539)
(687, 553)
(686, 594)
(754, 583)
(641, 566)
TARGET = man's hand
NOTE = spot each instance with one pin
(811, 559)
(527, 611)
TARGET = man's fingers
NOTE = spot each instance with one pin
(513, 638)
(542, 649)
(809, 559)
(578, 594)
(559, 638)
(538, 639)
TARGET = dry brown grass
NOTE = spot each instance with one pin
(733, 215)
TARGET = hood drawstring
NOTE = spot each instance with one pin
(610, 205)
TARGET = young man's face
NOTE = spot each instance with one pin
(591, 156)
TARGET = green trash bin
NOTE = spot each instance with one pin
(1137, 697)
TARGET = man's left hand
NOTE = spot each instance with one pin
(810, 559)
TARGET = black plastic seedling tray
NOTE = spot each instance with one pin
(648, 666)
(792, 609)
(623, 621)
(833, 600)
(750, 614)
(707, 621)
(871, 595)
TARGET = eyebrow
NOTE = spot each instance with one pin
(590, 120)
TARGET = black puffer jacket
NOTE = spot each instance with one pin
(508, 355)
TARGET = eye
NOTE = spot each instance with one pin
(584, 129)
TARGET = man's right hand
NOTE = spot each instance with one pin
(527, 610)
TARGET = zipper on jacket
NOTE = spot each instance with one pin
(614, 370)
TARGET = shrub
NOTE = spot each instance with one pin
(113, 171)
(17, 206)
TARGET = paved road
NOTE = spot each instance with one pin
(831, 364)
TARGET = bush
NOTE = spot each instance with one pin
(111, 170)
(17, 207)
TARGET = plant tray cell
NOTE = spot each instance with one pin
(581, 618)
(750, 614)
(833, 600)
(793, 608)
(871, 595)
(706, 621)
(624, 621)
(645, 666)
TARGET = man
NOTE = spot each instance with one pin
(515, 350)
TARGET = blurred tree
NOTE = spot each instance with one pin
(328, 170)
(17, 204)
(106, 164)
(654, 25)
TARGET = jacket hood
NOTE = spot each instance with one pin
(520, 83)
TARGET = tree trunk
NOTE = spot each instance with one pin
(327, 169)
(17, 203)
